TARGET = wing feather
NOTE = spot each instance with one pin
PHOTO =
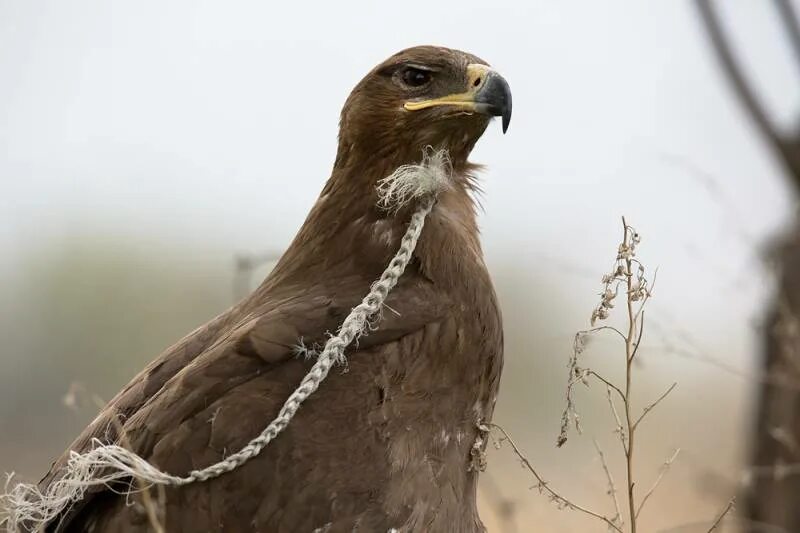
(165, 411)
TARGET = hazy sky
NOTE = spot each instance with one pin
(211, 126)
(212, 122)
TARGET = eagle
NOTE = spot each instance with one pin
(391, 441)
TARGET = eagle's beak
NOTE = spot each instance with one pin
(487, 92)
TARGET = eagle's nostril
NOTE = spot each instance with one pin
(476, 82)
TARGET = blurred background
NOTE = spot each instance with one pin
(148, 149)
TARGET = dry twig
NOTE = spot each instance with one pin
(654, 404)
(612, 488)
(626, 279)
(661, 472)
(722, 515)
(544, 487)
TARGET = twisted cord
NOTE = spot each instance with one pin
(30, 509)
(352, 327)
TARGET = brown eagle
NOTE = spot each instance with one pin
(387, 445)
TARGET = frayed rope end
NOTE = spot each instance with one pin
(29, 509)
(409, 182)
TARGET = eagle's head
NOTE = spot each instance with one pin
(423, 96)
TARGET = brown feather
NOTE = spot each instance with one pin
(385, 444)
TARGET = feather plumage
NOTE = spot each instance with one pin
(387, 443)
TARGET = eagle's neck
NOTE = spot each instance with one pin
(347, 230)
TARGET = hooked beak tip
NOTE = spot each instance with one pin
(506, 120)
(494, 98)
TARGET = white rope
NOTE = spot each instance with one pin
(411, 182)
(30, 509)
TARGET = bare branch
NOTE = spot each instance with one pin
(630, 351)
(641, 329)
(730, 67)
(619, 429)
(612, 488)
(627, 278)
(788, 16)
(601, 328)
(648, 294)
(608, 384)
(542, 485)
(653, 405)
(663, 470)
(722, 515)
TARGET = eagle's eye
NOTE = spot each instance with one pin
(415, 77)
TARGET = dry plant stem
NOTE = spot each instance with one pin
(612, 488)
(609, 328)
(628, 276)
(618, 427)
(722, 515)
(610, 386)
(543, 485)
(630, 352)
(654, 404)
(661, 473)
